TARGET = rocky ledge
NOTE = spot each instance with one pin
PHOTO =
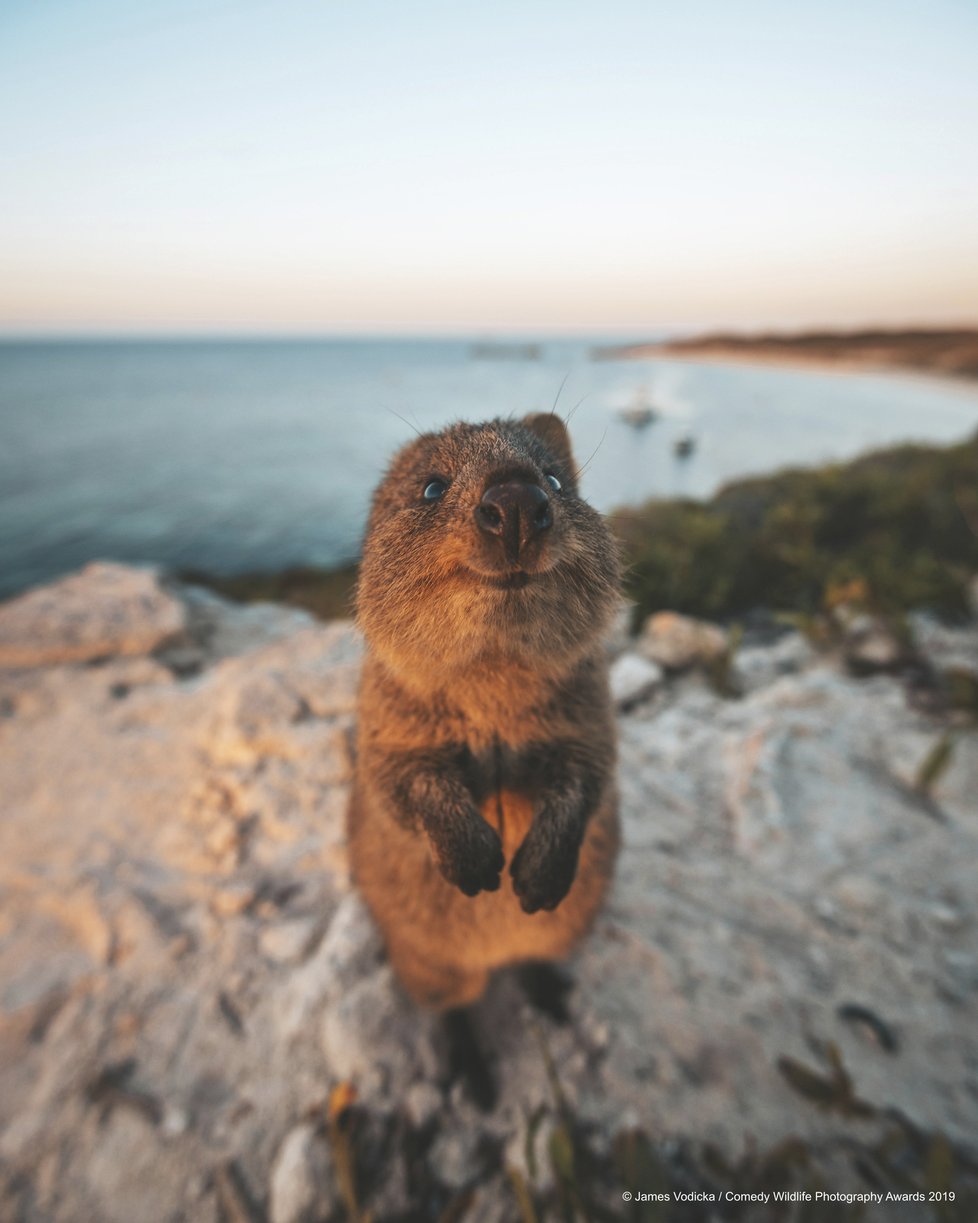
(197, 1021)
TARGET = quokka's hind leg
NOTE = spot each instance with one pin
(547, 986)
(438, 987)
(468, 1060)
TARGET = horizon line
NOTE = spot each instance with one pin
(625, 334)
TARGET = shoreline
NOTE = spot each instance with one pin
(326, 589)
(948, 355)
(820, 365)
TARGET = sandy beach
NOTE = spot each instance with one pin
(934, 352)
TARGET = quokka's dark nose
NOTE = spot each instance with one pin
(517, 512)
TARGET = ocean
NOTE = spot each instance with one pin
(241, 455)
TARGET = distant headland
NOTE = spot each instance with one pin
(943, 351)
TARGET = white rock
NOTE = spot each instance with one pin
(742, 821)
(757, 666)
(372, 1035)
(289, 941)
(174, 1121)
(226, 629)
(183, 660)
(945, 647)
(869, 644)
(677, 642)
(103, 610)
(948, 916)
(300, 1189)
(422, 1104)
(633, 679)
(454, 1156)
(350, 950)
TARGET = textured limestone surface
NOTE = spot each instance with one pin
(105, 609)
(186, 973)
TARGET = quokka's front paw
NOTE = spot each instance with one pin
(468, 853)
(543, 869)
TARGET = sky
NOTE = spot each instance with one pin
(533, 166)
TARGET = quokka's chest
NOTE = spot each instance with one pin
(507, 790)
(511, 814)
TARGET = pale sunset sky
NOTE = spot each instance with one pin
(396, 167)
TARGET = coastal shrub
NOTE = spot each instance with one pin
(901, 524)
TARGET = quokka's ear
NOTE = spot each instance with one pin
(552, 431)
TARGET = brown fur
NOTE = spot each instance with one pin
(485, 725)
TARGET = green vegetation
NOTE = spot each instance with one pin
(894, 530)
(935, 763)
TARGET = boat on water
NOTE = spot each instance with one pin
(637, 417)
(684, 446)
(639, 413)
(490, 350)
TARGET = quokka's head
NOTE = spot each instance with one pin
(480, 549)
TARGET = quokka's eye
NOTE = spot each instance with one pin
(434, 489)
(553, 481)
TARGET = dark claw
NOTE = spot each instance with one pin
(469, 854)
(542, 872)
(546, 987)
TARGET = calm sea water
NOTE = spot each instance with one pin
(234, 456)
